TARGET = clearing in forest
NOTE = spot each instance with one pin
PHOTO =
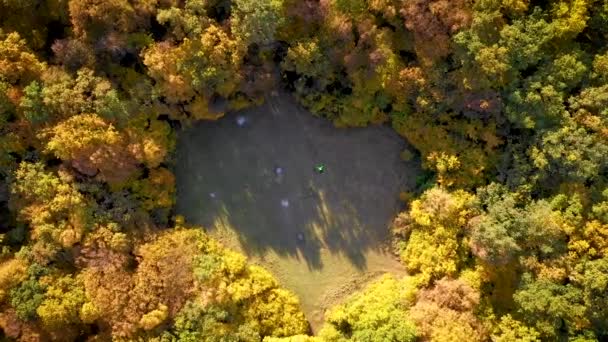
(252, 180)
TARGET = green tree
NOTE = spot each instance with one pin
(551, 307)
(571, 153)
(7, 108)
(29, 295)
(593, 280)
(511, 330)
(32, 104)
(189, 21)
(196, 322)
(66, 96)
(256, 22)
(509, 228)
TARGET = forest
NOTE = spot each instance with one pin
(504, 101)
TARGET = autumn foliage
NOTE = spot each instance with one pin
(503, 101)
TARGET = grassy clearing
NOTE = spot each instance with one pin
(250, 180)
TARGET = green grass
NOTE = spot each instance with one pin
(342, 214)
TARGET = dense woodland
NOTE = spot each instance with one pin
(504, 101)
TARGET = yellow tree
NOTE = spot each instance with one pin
(197, 69)
(62, 304)
(149, 139)
(430, 235)
(18, 64)
(12, 272)
(92, 146)
(187, 277)
(51, 205)
(378, 313)
(157, 190)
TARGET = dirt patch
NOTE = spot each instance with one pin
(250, 180)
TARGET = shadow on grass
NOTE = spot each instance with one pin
(253, 172)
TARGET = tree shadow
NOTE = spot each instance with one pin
(256, 177)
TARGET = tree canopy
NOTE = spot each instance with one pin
(504, 103)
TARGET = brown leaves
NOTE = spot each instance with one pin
(157, 288)
(93, 18)
(433, 22)
(108, 289)
(446, 312)
(73, 54)
(451, 294)
(15, 328)
(161, 62)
